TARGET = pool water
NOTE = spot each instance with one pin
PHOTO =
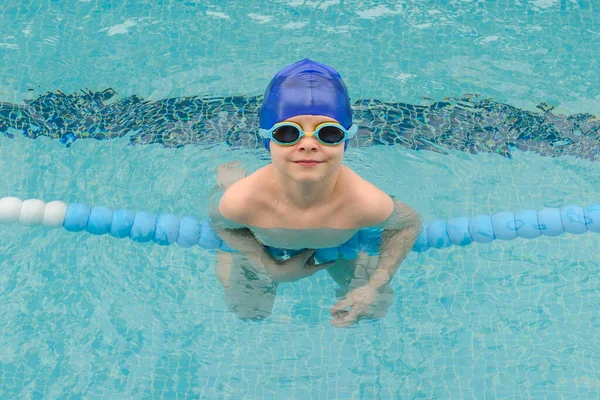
(96, 317)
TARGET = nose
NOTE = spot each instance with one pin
(308, 143)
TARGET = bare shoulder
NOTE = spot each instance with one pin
(369, 204)
(242, 198)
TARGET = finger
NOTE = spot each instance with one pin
(350, 318)
(313, 269)
(312, 264)
(341, 324)
(340, 314)
(353, 314)
(311, 261)
(345, 321)
(306, 254)
(324, 265)
(341, 305)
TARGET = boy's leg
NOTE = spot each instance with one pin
(248, 295)
(351, 274)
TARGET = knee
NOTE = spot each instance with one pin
(253, 315)
(250, 305)
(250, 312)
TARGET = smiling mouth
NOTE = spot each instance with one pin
(307, 162)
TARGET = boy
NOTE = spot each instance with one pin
(305, 200)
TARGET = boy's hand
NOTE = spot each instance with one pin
(358, 301)
(296, 267)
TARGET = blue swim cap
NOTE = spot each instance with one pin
(305, 87)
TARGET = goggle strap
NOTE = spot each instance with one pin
(264, 133)
(352, 131)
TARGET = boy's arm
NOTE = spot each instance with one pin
(401, 226)
(401, 230)
(232, 230)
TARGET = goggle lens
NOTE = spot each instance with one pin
(331, 134)
(327, 134)
(286, 134)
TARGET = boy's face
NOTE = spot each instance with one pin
(308, 160)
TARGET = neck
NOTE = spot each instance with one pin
(305, 195)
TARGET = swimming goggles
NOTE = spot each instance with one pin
(290, 133)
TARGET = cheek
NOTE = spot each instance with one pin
(337, 155)
(278, 156)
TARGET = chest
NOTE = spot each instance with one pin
(333, 216)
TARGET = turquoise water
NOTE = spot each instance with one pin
(520, 52)
(96, 317)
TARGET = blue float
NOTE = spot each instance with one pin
(167, 229)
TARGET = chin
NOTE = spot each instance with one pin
(306, 179)
(309, 176)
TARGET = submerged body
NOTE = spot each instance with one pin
(306, 199)
(271, 222)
